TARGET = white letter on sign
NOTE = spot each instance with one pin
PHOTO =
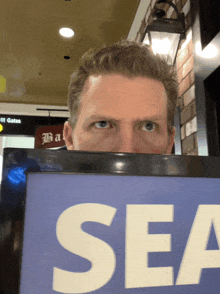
(196, 257)
(139, 242)
(72, 238)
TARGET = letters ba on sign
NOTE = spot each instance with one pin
(121, 234)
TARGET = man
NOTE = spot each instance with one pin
(122, 99)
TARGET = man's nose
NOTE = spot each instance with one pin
(126, 141)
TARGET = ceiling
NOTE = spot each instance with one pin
(32, 51)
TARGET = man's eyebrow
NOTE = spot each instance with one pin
(109, 118)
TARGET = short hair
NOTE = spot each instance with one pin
(130, 59)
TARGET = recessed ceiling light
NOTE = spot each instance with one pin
(66, 32)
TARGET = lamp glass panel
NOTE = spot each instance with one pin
(165, 43)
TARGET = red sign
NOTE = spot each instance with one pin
(49, 137)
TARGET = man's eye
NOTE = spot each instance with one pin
(102, 124)
(149, 126)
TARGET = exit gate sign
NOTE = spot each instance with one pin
(121, 234)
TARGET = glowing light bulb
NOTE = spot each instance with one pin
(66, 32)
(161, 46)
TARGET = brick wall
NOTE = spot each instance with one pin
(186, 101)
(184, 66)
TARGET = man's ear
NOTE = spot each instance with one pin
(68, 135)
(171, 139)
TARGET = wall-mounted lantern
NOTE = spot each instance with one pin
(164, 35)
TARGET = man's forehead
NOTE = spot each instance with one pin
(118, 97)
(115, 83)
(91, 81)
(94, 79)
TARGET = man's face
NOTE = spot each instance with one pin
(118, 114)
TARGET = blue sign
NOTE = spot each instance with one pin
(121, 234)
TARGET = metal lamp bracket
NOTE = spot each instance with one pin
(159, 13)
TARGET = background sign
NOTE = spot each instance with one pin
(121, 234)
(26, 125)
(49, 137)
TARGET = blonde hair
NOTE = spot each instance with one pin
(131, 59)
